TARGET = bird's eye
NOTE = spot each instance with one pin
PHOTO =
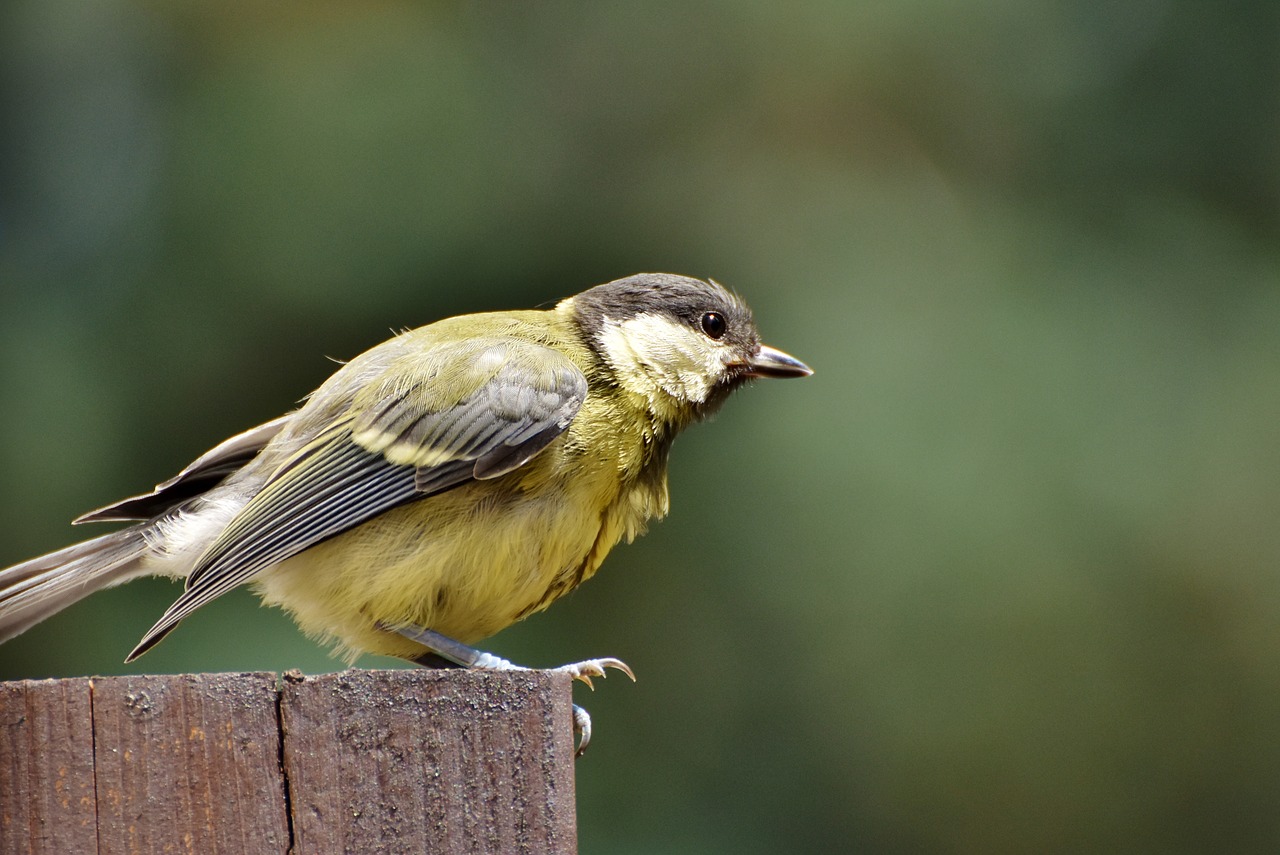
(713, 324)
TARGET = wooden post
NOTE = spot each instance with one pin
(359, 761)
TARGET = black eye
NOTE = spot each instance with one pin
(713, 325)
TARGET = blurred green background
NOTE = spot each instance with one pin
(1002, 577)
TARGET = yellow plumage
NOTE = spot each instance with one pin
(469, 562)
(442, 485)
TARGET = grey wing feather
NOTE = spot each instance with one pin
(204, 472)
(539, 416)
(338, 481)
(522, 390)
(344, 486)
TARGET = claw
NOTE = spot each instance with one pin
(590, 668)
(584, 671)
(582, 727)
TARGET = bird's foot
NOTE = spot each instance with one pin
(589, 668)
(583, 671)
(442, 650)
(581, 729)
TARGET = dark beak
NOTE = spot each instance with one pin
(767, 362)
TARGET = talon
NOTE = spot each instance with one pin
(623, 667)
(581, 727)
(590, 668)
(585, 671)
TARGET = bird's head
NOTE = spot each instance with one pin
(681, 344)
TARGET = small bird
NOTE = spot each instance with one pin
(440, 486)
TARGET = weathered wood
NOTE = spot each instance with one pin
(360, 762)
(430, 761)
(46, 767)
(188, 763)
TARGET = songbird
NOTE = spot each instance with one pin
(440, 486)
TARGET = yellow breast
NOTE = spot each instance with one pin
(472, 561)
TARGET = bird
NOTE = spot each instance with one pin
(440, 486)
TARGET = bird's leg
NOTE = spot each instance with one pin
(444, 652)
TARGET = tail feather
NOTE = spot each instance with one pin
(38, 588)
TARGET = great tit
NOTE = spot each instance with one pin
(440, 486)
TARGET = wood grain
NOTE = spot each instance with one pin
(357, 762)
(47, 800)
(189, 763)
(430, 761)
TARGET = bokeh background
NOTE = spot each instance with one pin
(1002, 577)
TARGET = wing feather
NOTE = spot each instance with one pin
(204, 472)
(399, 443)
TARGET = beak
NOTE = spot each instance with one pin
(767, 362)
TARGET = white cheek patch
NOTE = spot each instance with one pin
(652, 354)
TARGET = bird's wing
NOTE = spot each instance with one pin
(204, 472)
(459, 411)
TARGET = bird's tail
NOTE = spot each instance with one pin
(36, 589)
